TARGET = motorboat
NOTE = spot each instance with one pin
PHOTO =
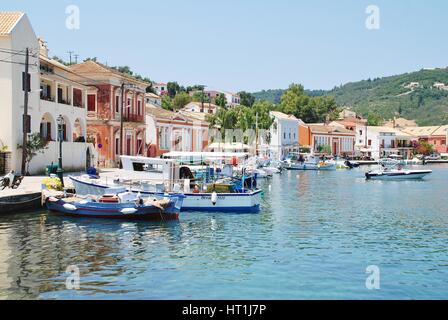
(396, 171)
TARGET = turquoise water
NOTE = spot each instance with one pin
(315, 237)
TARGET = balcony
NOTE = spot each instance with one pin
(133, 118)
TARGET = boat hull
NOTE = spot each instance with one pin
(114, 211)
(247, 202)
(397, 175)
(302, 167)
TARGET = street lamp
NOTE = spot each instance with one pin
(60, 171)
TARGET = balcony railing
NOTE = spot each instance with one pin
(133, 118)
(47, 98)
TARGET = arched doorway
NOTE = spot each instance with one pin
(48, 128)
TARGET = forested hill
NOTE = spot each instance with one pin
(418, 95)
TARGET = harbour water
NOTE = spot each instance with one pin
(315, 237)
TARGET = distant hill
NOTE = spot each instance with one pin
(410, 95)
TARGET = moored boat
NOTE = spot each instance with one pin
(240, 196)
(123, 206)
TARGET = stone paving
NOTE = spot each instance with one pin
(33, 184)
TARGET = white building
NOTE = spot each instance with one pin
(160, 88)
(232, 99)
(53, 92)
(151, 98)
(199, 107)
(172, 131)
(284, 136)
(381, 142)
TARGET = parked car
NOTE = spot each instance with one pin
(433, 156)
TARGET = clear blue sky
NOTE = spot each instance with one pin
(249, 44)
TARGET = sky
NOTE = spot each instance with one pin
(249, 45)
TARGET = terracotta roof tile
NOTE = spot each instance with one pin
(8, 21)
(90, 66)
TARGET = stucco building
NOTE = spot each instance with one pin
(53, 92)
(116, 95)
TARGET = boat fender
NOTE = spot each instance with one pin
(83, 202)
(69, 207)
(214, 198)
(53, 199)
(128, 210)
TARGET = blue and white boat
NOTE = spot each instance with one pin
(153, 178)
(308, 162)
(123, 206)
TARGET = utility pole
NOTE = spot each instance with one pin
(76, 58)
(121, 119)
(256, 135)
(25, 120)
(70, 54)
(202, 99)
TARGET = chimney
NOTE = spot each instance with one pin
(43, 48)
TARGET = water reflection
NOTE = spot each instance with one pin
(315, 236)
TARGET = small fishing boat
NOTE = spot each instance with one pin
(309, 162)
(122, 206)
(395, 171)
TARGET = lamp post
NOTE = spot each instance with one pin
(60, 171)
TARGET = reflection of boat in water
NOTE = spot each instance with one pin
(122, 206)
(154, 177)
(389, 170)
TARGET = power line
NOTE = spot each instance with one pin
(12, 55)
(20, 63)
(18, 53)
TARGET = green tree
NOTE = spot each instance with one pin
(34, 146)
(167, 103)
(221, 100)
(374, 120)
(181, 100)
(424, 148)
(200, 96)
(310, 109)
(173, 88)
(246, 99)
(196, 87)
(61, 61)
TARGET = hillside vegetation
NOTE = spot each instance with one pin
(390, 96)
